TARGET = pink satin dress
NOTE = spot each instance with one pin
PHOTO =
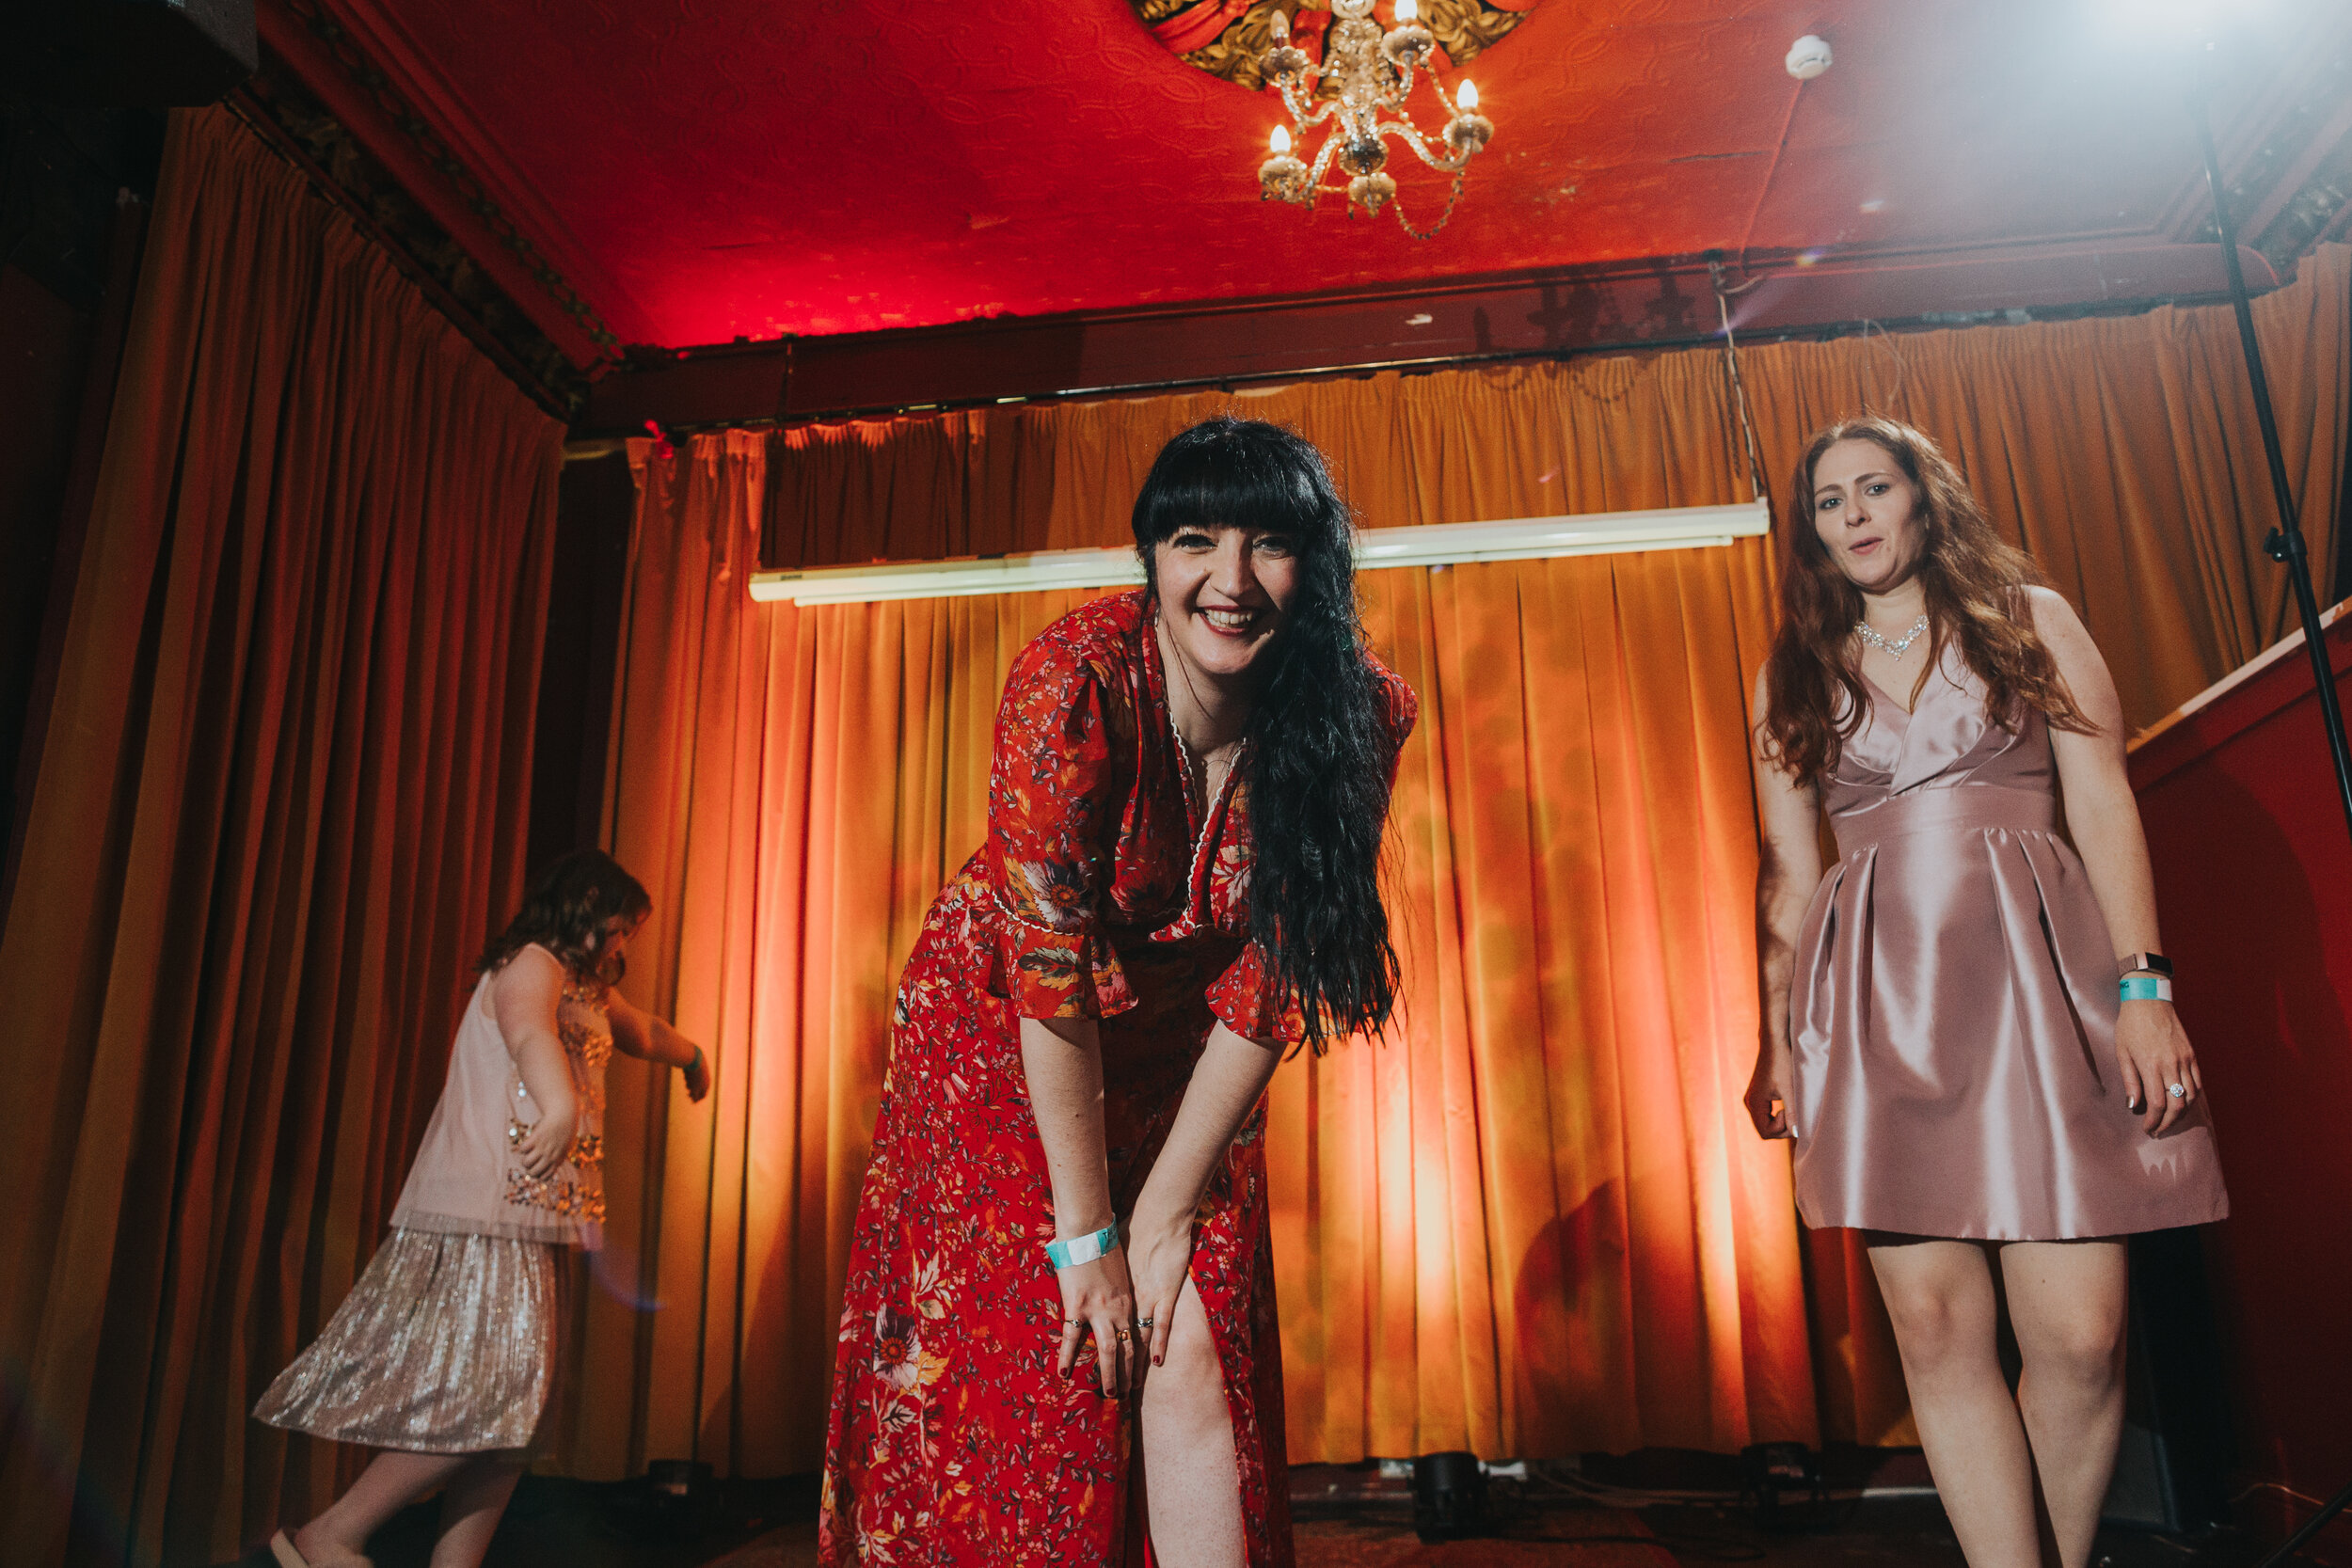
(1953, 1001)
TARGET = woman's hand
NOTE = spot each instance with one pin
(547, 1143)
(2152, 1052)
(1769, 1090)
(698, 1075)
(1098, 1298)
(1160, 1252)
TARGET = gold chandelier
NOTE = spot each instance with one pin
(1371, 72)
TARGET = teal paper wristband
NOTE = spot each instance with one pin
(1082, 1249)
(2145, 987)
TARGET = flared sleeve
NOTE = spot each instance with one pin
(1053, 796)
(1248, 1002)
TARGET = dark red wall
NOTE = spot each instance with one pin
(2255, 886)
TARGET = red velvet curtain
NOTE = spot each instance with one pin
(283, 794)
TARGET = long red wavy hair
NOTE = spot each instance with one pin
(1976, 586)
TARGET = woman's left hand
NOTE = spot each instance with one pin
(2153, 1052)
(1159, 1254)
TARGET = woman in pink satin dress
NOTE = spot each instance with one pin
(1968, 1028)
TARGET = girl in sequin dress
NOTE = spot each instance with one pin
(445, 1354)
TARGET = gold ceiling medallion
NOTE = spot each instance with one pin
(1225, 38)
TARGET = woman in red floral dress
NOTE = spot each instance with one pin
(1181, 879)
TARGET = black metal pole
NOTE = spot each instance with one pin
(2286, 543)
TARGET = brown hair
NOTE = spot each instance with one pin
(567, 911)
(1975, 588)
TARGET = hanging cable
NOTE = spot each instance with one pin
(1870, 402)
(1739, 389)
(1748, 235)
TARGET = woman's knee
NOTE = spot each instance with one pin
(2082, 1349)
(1187, 1388)
(1940, 1328)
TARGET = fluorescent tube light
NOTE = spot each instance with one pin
(1430, 544)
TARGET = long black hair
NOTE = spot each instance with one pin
(1317, 747)
(567, 911)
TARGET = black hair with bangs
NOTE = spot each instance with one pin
(1317, 749)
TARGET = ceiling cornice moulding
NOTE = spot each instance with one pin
(335, 64)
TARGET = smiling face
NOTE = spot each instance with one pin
(1224, 592)
(1867, 512)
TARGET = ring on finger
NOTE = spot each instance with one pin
(1123, 1334)
(2176, 1091)
(1143, 1323)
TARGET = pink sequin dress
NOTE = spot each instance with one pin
(451, 1339)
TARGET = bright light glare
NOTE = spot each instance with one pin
(1281, 139)
(1465, 97)
(1405, 11)
(2173, 21)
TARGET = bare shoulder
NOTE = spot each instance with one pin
(2054, 619)
(531, 980)
(1760, 702)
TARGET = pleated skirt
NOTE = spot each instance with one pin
(448, 1343)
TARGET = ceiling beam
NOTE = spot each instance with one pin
(1566, 311)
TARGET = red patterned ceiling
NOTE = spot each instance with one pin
(705, 169)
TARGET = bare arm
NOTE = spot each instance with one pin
(1063, 1060)
(524, 1001)
(1788, 870)
(2103, 817)
(1227, 1081)
(638, 1033)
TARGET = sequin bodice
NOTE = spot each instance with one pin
(468, 1177)
(576, 1189)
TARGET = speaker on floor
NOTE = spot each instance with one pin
(1448, 1497)
(149, 53)
(1781, 1483)
(2172, 1470)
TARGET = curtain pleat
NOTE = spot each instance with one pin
(283, 791)
(1533, 1219)
(2122, 450)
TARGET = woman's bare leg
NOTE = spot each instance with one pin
(1192, 1482)
(391, 1483)
(470, 1509)
(1940, 1295)
(2067, 1301)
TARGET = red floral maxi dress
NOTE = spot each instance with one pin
(1103, 890)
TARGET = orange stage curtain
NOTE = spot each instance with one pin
(2122, 450)
(1533, 1220)
(283, 792)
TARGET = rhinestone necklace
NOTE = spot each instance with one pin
(1892, 650)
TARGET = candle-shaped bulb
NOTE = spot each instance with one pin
(1406, 11)
(1465, 97)
(1281, 26)
(1282, 140)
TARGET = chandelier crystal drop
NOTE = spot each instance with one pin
(1370, 71)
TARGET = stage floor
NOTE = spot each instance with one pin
(1344, 1523)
